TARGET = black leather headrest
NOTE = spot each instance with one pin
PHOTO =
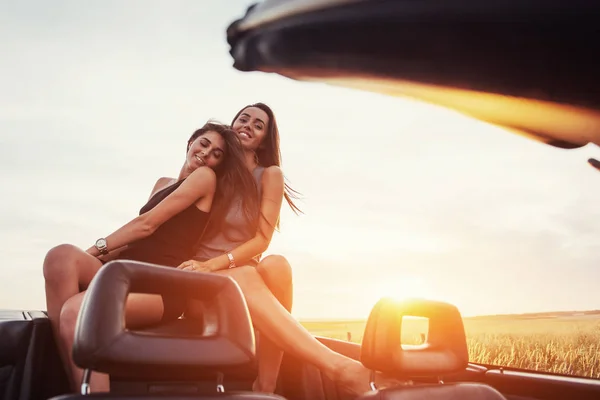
(102, 342)
(445, 348)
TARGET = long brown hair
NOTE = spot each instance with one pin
(233, 179)
(269, 153)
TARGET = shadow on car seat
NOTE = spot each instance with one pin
(444, 352)
(180, 359)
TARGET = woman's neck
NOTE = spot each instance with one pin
(251, 159)
(184, 173)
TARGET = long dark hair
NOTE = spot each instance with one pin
(269, 152)
(233, 178)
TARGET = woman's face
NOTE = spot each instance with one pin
(251, 126)
(207, 149)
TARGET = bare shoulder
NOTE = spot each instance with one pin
(163, 181)
(273, 174)
(204, 174)
(272, 181)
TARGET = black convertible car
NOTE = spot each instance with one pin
(530, 66)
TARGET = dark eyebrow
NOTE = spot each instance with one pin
(247, 115)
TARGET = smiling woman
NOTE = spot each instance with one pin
(164, 233)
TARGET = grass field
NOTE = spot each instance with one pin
(564, 344)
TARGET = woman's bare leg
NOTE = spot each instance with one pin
(67, 269)
(276, 272)
(141, 310)
(277, 275)
(272, 320)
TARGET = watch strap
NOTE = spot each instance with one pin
(231, 260)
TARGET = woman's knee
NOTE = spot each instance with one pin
(57, 261)
(275, 269)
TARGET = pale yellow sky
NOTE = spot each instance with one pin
(98, 100)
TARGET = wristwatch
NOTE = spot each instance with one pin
(231, 260)
(101, 246)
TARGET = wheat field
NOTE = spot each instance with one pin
(563, 344)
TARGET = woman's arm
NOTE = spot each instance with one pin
(112, 254)
(200, 183)
(270, 207)
(160, 184)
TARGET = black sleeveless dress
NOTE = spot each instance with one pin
(170, 245)
(174, 241)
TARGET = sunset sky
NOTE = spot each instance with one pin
(98, 98)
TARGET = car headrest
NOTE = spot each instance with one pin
(445, 348)
(225, 344)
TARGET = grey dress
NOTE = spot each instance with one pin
(236, 229)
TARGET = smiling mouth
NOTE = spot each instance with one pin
(200, 159)
(245, 135)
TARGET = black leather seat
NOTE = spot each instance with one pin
(167, 396)
(453, 391)
(444, 352)
(180, 359)
(30, 367)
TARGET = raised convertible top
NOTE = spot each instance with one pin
(528, 65)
